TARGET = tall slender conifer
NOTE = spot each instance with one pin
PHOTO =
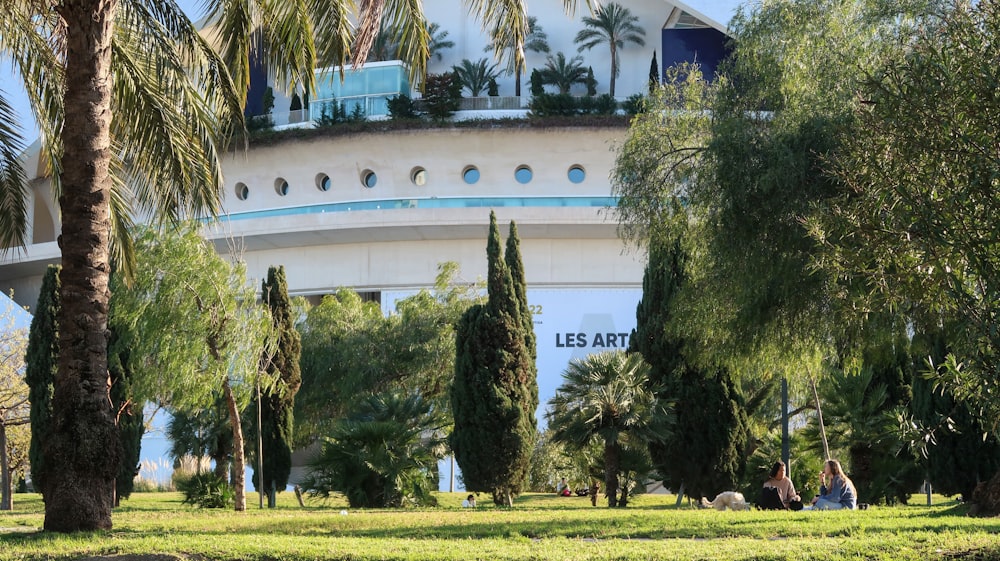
(278, 404)
(495, 392)
(41, 360)
(705, 452)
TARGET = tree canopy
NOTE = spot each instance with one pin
(349, 348)
(194, 330)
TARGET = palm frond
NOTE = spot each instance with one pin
(506, 22)
(33, 43)
(406, 18)
(122, 244)
(13, 182)
(332, 22)
(290, 51)
(235, 24)
(165, 134)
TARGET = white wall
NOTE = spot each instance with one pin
(560, 28)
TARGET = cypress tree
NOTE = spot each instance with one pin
(654, 75)
(705, 451)
(277, 406)
(537, 87)
(512, 258)
(41, 361)
(495, 392)
(130, 421)
(591, 82)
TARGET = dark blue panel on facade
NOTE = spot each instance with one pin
(258, 85)
(706, 46)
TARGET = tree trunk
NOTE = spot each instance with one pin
(84, 441)
(517, 80)
(819, 417)
(239, 466)
(611, 462)
(614, 70)
(6, 487)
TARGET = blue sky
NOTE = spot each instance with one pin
(21, 318)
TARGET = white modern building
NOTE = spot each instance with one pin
(378, 211)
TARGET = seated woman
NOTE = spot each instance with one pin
(783, 484)
(840, 493)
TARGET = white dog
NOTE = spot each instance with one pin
(731, 499)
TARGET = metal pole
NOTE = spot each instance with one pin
(260, 452)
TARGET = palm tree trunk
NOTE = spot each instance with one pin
(614, 69)
(517, 80)
(239, 461)
(611, 463)
(84, 441)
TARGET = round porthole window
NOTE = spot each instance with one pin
(523, 175)
(418, 176)
(323, 182)
(281, 187)
(471, 175)
(368, 178)
(576, 174)
(242, 191)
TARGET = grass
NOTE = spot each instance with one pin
(539, 527)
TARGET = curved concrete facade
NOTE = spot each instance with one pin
(393, 235)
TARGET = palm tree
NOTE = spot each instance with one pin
(380, 456)
(606, 396)
(475, 76)
(174, 108)
(563, 73)
(614, 25)
(536, 41)
(437, 41)
(134, 94)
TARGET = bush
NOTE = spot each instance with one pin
(442, 94)
(634, 104)
(604, 104)
(546, 105)
(206, 490)
(402, 107)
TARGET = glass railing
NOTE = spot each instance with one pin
(450, 202)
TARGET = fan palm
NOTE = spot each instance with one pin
(563, 73)
(128, 91)
(615, 25)
(607, 396)
(380, 456)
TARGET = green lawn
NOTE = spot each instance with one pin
(539, 527)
